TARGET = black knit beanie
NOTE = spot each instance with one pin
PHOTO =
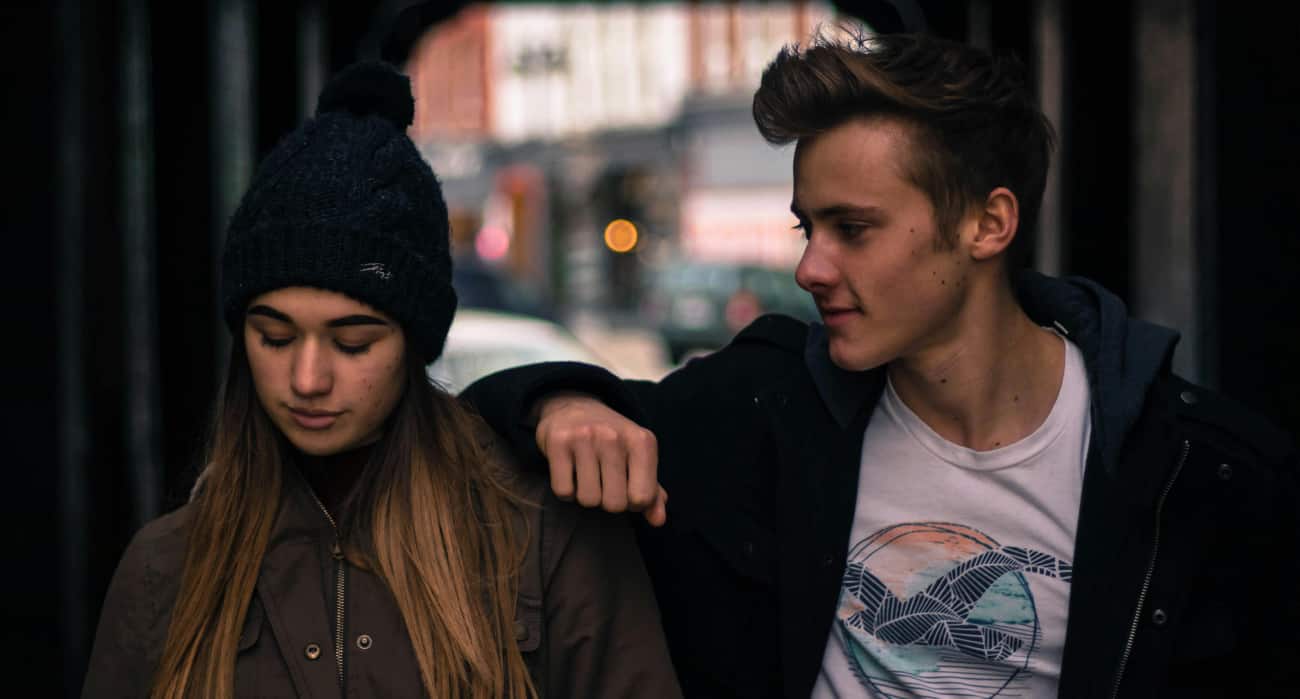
(346, 203)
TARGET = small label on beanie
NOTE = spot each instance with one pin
(378, 269)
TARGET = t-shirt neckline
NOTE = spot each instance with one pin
(1018, 452)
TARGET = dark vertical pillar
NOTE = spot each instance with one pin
(1049, 61)
(232, 82)
(30, 286)
(184, 222)
(1206, 185)
(980, 23)
(1165, 254)
(113, 505)
(277, 57)
(1257, 105)
(312, 52)
(139, 265)
(69, 317)
(1097, 149)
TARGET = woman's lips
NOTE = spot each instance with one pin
(313, 420)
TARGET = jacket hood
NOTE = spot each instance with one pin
(1123, 355)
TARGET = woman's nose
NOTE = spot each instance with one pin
(312, 375)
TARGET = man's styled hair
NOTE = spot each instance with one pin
(974, 124)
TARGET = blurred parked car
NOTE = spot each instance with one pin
(701, 306)
(482, 342)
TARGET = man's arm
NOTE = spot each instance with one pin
(602, 435)
(585, 426)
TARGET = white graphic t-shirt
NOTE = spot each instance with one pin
(959, 566)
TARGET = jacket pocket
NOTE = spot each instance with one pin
(1204, 633)
(252, 625)
(742, 545)
(722, 588)
(528, 624)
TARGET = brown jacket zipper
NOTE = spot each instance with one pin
(340, 588)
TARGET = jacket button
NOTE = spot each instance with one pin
(1225, 472)
(521, 631)
(312, 651)
(748, 548)
(1188, 397)
(827, 561)
(364, 641)
(1158, 617)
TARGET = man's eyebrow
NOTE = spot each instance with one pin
(356, 320)
(260, 310)
(847, 210)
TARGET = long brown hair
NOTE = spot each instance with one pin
(455, 583)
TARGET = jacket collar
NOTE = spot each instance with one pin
(1123, 355)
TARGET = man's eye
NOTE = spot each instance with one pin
(851, 230)
(802, 226)
(269, 341)
(352, 349)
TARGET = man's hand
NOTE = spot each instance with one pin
(599, 457)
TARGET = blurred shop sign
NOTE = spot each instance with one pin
(454, 161)
(534, 60)
(751, 225)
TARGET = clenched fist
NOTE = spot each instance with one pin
(600, 457)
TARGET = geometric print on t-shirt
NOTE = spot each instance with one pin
(935, 609)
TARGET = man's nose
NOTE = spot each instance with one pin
(817, 270)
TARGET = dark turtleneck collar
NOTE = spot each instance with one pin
(333, 477)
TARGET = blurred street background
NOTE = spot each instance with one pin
(611, 201)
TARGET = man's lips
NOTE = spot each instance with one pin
(314, 419)
(835, 315)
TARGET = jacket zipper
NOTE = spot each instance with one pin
(340, 589)
(1151, 567)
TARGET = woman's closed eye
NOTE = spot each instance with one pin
(346, 348)
(276, 342)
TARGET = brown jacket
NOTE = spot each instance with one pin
(586, 618)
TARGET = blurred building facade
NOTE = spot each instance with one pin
(618, 111)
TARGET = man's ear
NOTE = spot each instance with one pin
(996, 224)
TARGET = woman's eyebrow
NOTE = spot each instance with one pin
(269, 312)
(356, 320)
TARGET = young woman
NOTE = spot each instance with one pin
(354, 531)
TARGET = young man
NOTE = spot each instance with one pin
(968, 480)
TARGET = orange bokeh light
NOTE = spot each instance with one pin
(620, 235)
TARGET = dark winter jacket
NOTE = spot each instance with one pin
(586, 619)
(1185, 566)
